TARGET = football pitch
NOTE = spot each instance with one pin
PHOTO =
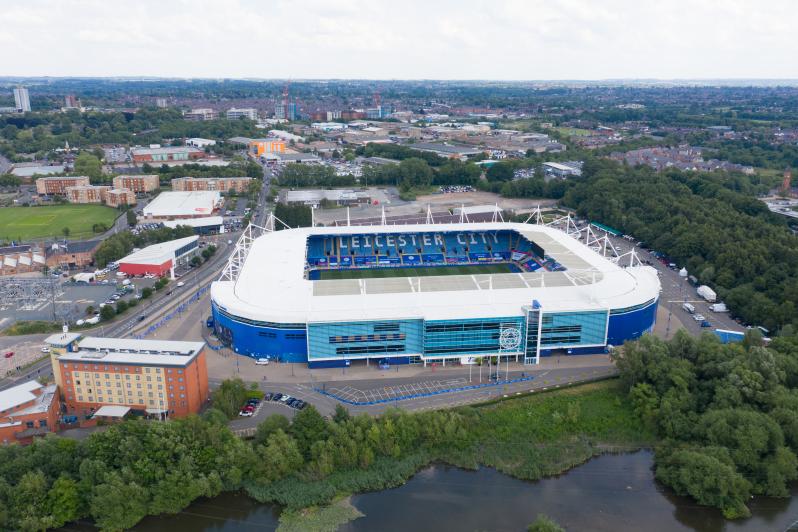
(30, 223)
(424, 271)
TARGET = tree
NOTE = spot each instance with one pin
(64, 501)
(121, 306)
(500, 172)
(229, 397)
(117, 504)
(415, 172)
(196, 261)
(65, 231)
(131, 217)
(107, 313)
(269, 426)
(341, 413)
(308, 427)
(89, 165)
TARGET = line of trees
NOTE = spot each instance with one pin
(727, 414)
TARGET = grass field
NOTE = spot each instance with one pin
(373, 273)
(28, 223)
(573, 131)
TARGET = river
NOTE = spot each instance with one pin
(609, 493)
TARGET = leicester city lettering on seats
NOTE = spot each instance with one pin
(429, 248)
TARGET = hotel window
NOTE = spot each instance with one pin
(182, 396)
(80, 398)
(127, 377)
(146, 370)
(138, 385)
(149, 394)
(180, 371)
(180, 379)
(118, 376)
(149, 378)
(138, 377)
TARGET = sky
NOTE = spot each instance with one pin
(401, 39)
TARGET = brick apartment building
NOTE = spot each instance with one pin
(87, 194)
(120, 196)
(28, 410)
(72, 254)
(137, 183)
(58, 185)
(153, 377)
(222, 184)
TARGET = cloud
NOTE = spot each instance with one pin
(436, 39)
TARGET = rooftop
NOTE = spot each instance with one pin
(192, 203)
(196, 222)
(95, 350)
(19, 394)
(61, 339)
(272, 285)
(158, 253)
(165, 149)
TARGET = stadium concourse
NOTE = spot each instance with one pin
(422, 293)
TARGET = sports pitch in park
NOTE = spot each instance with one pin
(373, 273)
(30, 223)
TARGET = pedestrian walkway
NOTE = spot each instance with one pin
(390, 394)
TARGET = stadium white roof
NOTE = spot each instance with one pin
(157, 254)
(271, 285)
(196, 203)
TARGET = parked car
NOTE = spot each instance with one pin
(277, 397)
(699, 317)
(285, 398)
(302, 405)
(705, 323)
(181, 284)
(262, 362)
(267, 396)
(245, 413)
(9, 354)
(45, 349)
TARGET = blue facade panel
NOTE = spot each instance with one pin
(631, 323)
(359, 340)
(261, 341)
(572, 329)
(472, 337)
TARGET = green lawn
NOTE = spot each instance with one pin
(29, 223)
(573, 131)
(471, 269)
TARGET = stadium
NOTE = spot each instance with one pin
(424, 292)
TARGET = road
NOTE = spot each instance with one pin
(158, 305)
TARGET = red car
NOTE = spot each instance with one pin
(249, 408)
(9, 354)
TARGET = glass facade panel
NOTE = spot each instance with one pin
(452, 338)
(364, 339)
(566, 329)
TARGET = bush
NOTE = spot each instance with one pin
(107, 313)
(121, 306)
(146, 292)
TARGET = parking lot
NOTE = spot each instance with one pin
(349, 393)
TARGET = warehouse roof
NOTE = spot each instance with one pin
(272, 285)
(158, 253)
(192, 203)
(208, 221)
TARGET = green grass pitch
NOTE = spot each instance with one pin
(373, 273)
(30, 223)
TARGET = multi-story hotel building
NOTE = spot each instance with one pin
(153, 377)
(137, 183)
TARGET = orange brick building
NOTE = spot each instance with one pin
(222, 184)
(157, 378)
(58, 185)
(28, 410)
(87, 194)
(120, 196)
(137, 183)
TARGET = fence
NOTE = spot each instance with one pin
(176, 312)
(425, 394)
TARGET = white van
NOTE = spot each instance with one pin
(689, 308)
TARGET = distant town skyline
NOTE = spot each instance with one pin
(358, 39)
